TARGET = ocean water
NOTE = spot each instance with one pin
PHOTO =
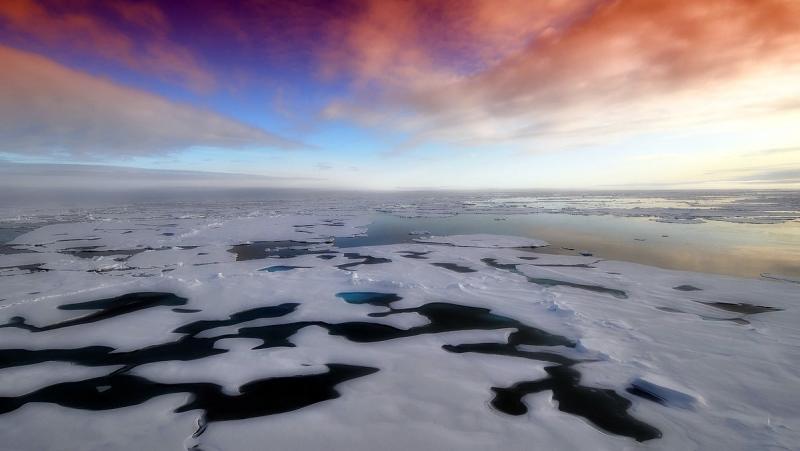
(739, 249)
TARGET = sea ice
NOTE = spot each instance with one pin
(376, 347)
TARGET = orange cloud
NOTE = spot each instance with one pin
(411, 37)
(74, 26)
(476, 69)
(634, 47)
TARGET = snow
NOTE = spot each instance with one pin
(722, 384)
(49, 427)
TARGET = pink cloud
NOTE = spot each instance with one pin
(47, 108)
(75, 26)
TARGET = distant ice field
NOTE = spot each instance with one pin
(742, 233)
(330, 323)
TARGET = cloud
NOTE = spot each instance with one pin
(400, 40)
(47, 108)
(115, 178)
(566, 73)
(777, 151)
(789, 176)
(133, 34)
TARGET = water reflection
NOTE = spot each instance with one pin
(746, 250)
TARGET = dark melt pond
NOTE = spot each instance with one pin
(277, 249)
(281, 268)
(604, 408)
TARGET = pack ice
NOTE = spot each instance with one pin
(258, 332)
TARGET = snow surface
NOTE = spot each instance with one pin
(718, 379)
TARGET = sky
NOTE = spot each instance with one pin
(401, 94)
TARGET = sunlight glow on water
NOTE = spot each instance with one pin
(719, 247)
